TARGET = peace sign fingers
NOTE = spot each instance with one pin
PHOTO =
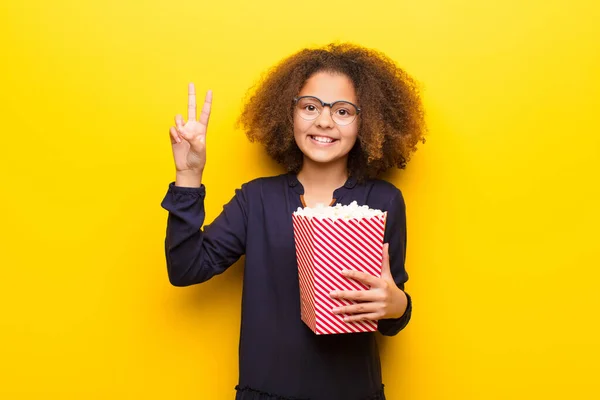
(204, 116)
(191, 102)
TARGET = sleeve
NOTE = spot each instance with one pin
(194, 255)
(395, 235)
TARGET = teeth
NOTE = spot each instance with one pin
(322, 139)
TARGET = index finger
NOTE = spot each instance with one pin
(363, 277)
(191, 102)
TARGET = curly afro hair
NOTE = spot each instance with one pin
(391, 122)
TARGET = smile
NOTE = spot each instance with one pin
(322, 140)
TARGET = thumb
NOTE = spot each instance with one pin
(197, 140)
(385, 266)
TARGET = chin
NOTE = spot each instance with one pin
(321, 158)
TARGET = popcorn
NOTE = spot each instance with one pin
(353, 210)
(329, 240)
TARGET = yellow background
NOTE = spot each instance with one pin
(502, 199)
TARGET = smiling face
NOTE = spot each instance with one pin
(322, 140)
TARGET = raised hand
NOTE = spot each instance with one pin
(188, 139)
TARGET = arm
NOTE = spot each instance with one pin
(385, 300)
(395, 235)
(194, 255)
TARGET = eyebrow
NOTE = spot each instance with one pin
(328, 102)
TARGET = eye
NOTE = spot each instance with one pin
(343, 112)
(309, 106)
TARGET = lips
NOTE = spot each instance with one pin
(322, 139)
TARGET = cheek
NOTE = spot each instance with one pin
(300, 126)
(298, 133)
(350, 136)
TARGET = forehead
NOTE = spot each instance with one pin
(329, 87)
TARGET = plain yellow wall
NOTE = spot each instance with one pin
(502, 200)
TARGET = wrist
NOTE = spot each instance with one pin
(188, 179)
(402, 304)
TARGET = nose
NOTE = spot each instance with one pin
(324, 119)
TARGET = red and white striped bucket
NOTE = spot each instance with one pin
(325, 247)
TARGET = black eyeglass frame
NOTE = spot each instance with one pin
(330, 105)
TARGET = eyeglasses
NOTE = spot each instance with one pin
(310, 107)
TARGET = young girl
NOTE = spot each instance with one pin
(335, 118)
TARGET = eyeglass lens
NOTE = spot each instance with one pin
(342, 112)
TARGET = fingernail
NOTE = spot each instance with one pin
(334, 293)
(335, 309)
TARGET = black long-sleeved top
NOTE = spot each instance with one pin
(279, 356)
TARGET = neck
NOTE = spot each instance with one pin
(329, 176)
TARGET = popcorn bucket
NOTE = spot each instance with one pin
(327, 244)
